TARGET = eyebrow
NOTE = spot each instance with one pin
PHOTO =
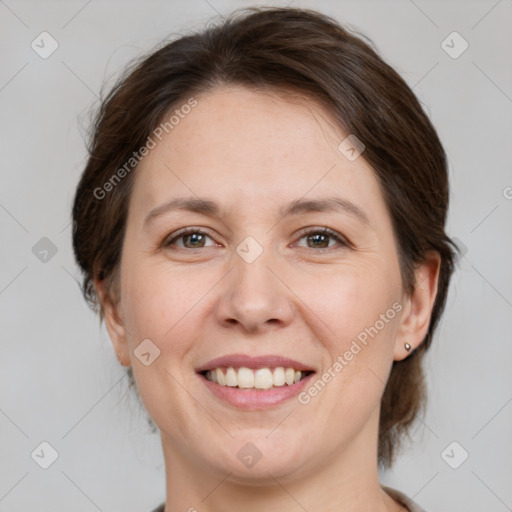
(210, 208)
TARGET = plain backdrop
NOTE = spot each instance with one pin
(60, 382)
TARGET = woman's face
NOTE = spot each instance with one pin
(256, 283)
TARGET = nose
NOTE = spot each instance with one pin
(255, 296)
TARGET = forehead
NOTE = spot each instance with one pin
(251, 147)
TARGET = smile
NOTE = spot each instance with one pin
(261, 378)
(254, 382)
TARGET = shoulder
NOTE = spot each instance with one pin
(402, 499)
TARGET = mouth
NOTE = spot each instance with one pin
(254, 382)
(260, 378)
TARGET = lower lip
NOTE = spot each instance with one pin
(255, 398)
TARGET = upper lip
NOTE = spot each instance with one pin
(246, 361)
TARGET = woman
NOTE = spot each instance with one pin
(261, 226)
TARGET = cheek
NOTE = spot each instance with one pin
(352, 299)
(359, 306)
(360, 309)
(161, 302)
(163, 306)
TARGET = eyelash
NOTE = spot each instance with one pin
(168, 241)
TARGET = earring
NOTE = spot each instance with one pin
(407, 347)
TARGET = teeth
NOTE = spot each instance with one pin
(245, 378)
(231, 378)
(262, 378)
(220, 377)
(278, 376)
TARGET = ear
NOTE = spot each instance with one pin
(417, 311)
(114, 322)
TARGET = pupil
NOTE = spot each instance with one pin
(195, 237)
(320, 237)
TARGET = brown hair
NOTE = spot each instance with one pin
(280, 49)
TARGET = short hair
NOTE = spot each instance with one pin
(281, 49)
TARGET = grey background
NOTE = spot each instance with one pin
(59, 379)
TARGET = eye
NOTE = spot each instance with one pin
(193, 238)
(319, 238)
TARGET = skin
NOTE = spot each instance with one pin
(253, 152)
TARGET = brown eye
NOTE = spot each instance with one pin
(320, 239)
(195, 240)
(191, 239)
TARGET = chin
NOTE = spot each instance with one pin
(259, 459)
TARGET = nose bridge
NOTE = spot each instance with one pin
(254, 295)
